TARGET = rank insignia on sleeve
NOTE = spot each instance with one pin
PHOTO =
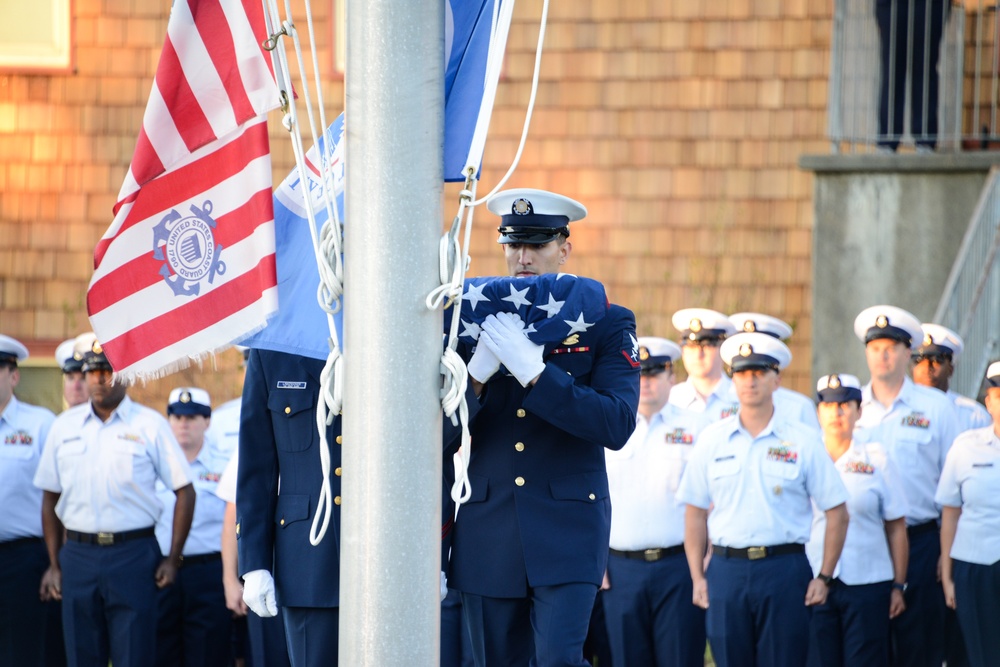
(630, 348)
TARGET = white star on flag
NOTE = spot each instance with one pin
(517, 297)
(471, 330)
(578, 325)
(553, 307)
(530, 328)
(474, 295)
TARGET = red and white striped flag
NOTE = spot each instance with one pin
(187, 266)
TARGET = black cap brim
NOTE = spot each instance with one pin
(531, 235)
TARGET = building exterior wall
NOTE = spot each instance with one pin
(678, 124)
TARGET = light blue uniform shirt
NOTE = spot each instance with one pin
(721, 403)
(224, 430)
(971, 414)
(206, 525)
(105, 472)
(876, 496)
(643, 477)
(916, 430)
(971, 480)
(23, 429)
(760, 488)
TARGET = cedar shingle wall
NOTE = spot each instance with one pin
(677, 123)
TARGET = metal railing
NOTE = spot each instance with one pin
(970, 303)
(939, 62)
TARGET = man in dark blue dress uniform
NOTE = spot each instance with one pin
(530, 546)
(278, 437)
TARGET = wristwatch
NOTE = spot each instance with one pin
(825, 578)
(901, 587)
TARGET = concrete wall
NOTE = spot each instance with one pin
(887, 231)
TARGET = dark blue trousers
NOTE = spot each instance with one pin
(546, 629)
(756, 611)
(194, 627)
(313, 635)
(650, 617)
(852, 628)
(456, 645)
(109, 603)
(917, 636)
(977, 603)
(27, 625)
(268, 647)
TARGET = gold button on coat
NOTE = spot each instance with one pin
(338, 471)
(519, 446)
(282, 522)
(519, 481)
(340, 439)
(521, 412)
(288, 410)
(336, 500)
(593, 497)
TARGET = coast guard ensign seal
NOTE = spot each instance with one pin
(187, 247)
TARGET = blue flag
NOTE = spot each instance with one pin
(553, 307)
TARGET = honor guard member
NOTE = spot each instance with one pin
(970, 531)
(71, 363)
(280, 568)
(758, 472)
(787, 402)
(194, 626)
(916, 425)
(23, 558)
(647, 607)
(933, 365)
(530, 547)
(98, 473)
(851, 629)
(706, 389)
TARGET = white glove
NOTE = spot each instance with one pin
(444, 586)
(483, 364)
(258, 593)
(504, 335)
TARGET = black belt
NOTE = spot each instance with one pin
(201, 558)
(18, 542)
(649, 555)
(756, 553)
(921, 528)
(109, 539)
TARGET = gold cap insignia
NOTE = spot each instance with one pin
(572, 340)
(881, 321)
(749, 326)
(643, 353)
(834, 382)
(96, 348)
(746, 349)
(185, 397)
(695, 325)
(78, 356)
(521, 207)
(777, 490)
(928, 340)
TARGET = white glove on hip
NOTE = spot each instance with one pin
(483, 364)
(504, 335)
(444, 586)
(258, 593)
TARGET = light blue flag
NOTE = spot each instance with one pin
(301, 327)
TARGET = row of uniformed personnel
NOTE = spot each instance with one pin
(756, 470)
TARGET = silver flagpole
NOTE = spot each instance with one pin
(391, 505)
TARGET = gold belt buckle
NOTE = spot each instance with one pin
(105, 539)
(651, 555)
(756, 553)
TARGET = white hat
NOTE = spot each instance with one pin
(940, 340)
(838, 388)
(67, 357)
(657, 351)
(993, 374)
(11, 350)
(702, 324)
(888, 322)
(761, 323)
(189, 401)
(534, 216)
(743, 351)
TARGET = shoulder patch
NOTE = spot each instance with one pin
(630, 348)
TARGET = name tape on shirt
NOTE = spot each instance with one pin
(289, 384)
